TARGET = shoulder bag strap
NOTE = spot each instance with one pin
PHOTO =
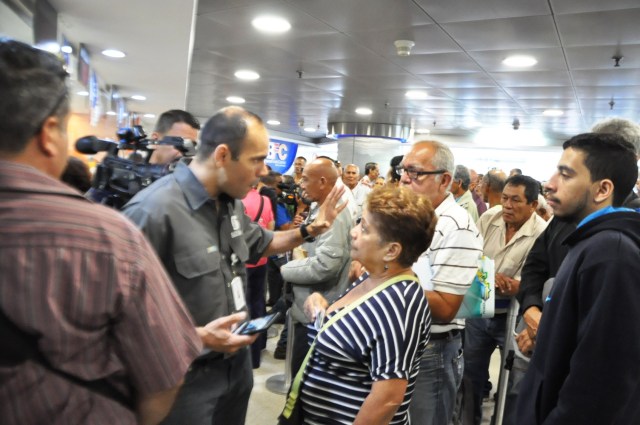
(295, 386)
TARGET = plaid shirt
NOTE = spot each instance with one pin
(84, 279)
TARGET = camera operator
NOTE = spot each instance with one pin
(176, 123)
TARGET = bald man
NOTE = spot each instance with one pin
(326, 265)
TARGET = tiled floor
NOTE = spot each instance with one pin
(265, 406)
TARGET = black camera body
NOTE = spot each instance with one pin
(118, 179)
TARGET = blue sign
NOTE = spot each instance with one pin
(281, 155)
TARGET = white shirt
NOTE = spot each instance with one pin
(451, 262)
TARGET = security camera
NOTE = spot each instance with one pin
(516, 123)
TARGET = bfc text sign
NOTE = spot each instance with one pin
(281, 155)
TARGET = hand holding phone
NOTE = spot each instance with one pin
(261, 324)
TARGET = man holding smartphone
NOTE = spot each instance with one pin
(196, 222)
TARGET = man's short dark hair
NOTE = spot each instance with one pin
(302, 158)
(227, 127)
(462, 174)
(531, 186)
(270, 178)
(77, 174)
(369, 166)
(494, 181)
(395, 161)
(32, 89)
(169, 118)
(608, 156)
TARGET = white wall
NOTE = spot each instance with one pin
(14, 27)
(538, 162)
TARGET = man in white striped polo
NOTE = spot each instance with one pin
(446, 271)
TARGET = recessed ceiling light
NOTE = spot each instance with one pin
(246, 74)
(310, 129)
(273, 122)
(113, 53)
(422, 131)
(111, 113)
(520, 61)
(83, 93)
(417, 94)
(66, 49)
(553, 113)
(235, 99)
(149, 115)
(271, 24)
(364, 111)
(138, 97)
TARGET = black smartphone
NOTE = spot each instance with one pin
(261, 324)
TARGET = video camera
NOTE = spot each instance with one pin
(290, 194)
(117, 179)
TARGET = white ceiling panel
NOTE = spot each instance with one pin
(610, 28)
(503, 34)
(473, 10)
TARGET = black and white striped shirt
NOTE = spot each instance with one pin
(383, 338)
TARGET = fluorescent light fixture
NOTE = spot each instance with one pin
(138, 97)
(553, 113)
(235, 99)
(83, 93)
(417, 94)
(149, 115)
(49, 46)
(246, 74)
(422, 131)
(113, 53)
(66, 49)
(271, 24)
(111, 113)
(310, 129)
(520, 61)
(273, 122)
(364, 111)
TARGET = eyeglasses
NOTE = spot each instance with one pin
(414, 174)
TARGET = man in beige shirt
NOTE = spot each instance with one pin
(509, 231)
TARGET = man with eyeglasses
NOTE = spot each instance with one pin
(92, 329)
(446, 271)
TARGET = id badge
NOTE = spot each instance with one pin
(237, 290)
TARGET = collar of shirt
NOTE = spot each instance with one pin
(528, 228)
(607, 210)
(24, 178)
(193, 190)
(446, 203)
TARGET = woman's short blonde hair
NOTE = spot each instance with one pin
(399, 215)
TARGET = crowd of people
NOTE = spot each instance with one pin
(130, 316)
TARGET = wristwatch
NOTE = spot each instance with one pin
(305, 234)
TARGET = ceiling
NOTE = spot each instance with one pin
(345, 50)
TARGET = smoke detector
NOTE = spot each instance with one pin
(403, 47)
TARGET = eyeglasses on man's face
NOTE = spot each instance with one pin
(415, 174)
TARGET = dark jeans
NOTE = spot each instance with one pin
(257, 308)
(300, 347)
(482, 337)
(215, 392)
(274, 278)
(441, 369)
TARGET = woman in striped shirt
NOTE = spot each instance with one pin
(363, 367)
